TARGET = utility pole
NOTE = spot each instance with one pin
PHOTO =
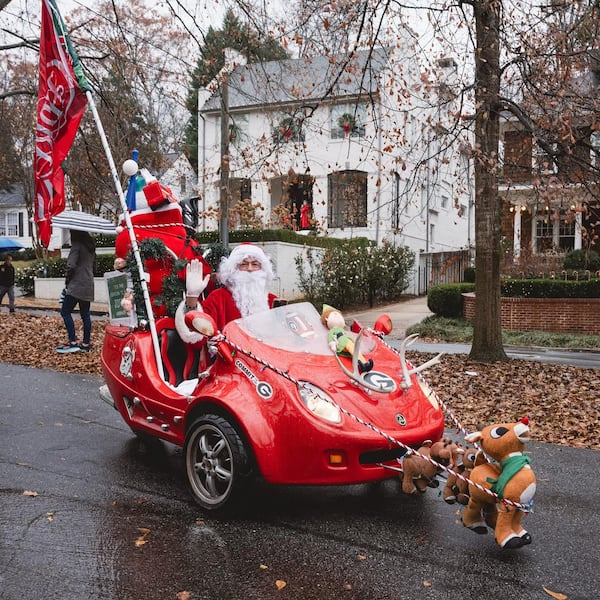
(224, 181)
(233, 59)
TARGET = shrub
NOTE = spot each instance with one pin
(56, 267)
(446, 299)
(550, 288)
(354, 272)
(273, 235)
(581, 260)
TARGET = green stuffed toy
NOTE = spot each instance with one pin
(339, 340)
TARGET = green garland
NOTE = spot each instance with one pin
(173, 286)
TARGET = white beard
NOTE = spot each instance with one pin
(248, 289)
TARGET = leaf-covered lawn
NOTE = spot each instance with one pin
(562, 403)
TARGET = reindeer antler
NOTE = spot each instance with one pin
(406, 372)
(355, 374)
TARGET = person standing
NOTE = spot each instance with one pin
(79, 290)
(305, 215)
(7, 282)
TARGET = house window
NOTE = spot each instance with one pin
(238, 131)
(347, 199)
(288, 129)
(348, 120)
(518, 156)
(566, 234)
(544, 237)
(9, 225)
(182, 184)
(240, 188)
(445, 202)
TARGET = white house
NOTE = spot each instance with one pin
(358, 137)
(14, 223)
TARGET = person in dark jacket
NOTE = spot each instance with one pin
(79, 289)
(7, 282)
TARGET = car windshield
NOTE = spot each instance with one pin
(293, 327)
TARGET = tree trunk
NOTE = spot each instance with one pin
(487, 329)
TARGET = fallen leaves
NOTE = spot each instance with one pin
(280, 584)
(142, 539)
(30, 493)
(556, 595)
(560, 401)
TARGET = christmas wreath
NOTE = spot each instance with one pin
(347, 123)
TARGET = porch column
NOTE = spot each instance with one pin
(577, 244)
(517, 233)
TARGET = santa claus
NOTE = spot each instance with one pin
(155, 213)
(245, 276)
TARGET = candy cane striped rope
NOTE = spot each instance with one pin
(157, 225)
(459, 426)
(386, 436)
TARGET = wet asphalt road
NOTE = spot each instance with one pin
(112, 519)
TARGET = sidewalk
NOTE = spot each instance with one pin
(404, 314)
(30, 303)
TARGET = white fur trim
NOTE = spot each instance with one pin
(239, 253)
(189, 337)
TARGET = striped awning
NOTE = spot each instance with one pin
(80, 221)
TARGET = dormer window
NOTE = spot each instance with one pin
(348, 120)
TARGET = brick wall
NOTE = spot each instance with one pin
(561, 315)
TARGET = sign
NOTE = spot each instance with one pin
(117, 284)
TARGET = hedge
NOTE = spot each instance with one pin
(446, 299)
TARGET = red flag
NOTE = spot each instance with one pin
(61, 103)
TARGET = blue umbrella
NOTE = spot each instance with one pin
(8, 245)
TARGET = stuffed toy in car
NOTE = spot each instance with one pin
(339, 339)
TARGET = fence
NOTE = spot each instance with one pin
(435, 268)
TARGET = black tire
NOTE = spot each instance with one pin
(216, 462)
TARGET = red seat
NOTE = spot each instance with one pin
(181, 361)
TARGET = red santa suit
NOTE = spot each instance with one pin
(222, 308)
(158, 215)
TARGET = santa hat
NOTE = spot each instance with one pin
(240, 253)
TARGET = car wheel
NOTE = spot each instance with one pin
(216, 462)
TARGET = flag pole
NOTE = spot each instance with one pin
(134, 244)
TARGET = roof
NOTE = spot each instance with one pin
(304, 79)
(12, 198)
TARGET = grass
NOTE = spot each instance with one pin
(460, 330)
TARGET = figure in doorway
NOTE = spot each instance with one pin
(305, 215)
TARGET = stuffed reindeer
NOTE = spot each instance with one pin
(457, 489)
(511, 479)
(418, 473)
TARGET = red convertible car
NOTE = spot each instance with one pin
(267, 392)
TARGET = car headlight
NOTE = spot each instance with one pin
(429, 393)
(318, 402)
